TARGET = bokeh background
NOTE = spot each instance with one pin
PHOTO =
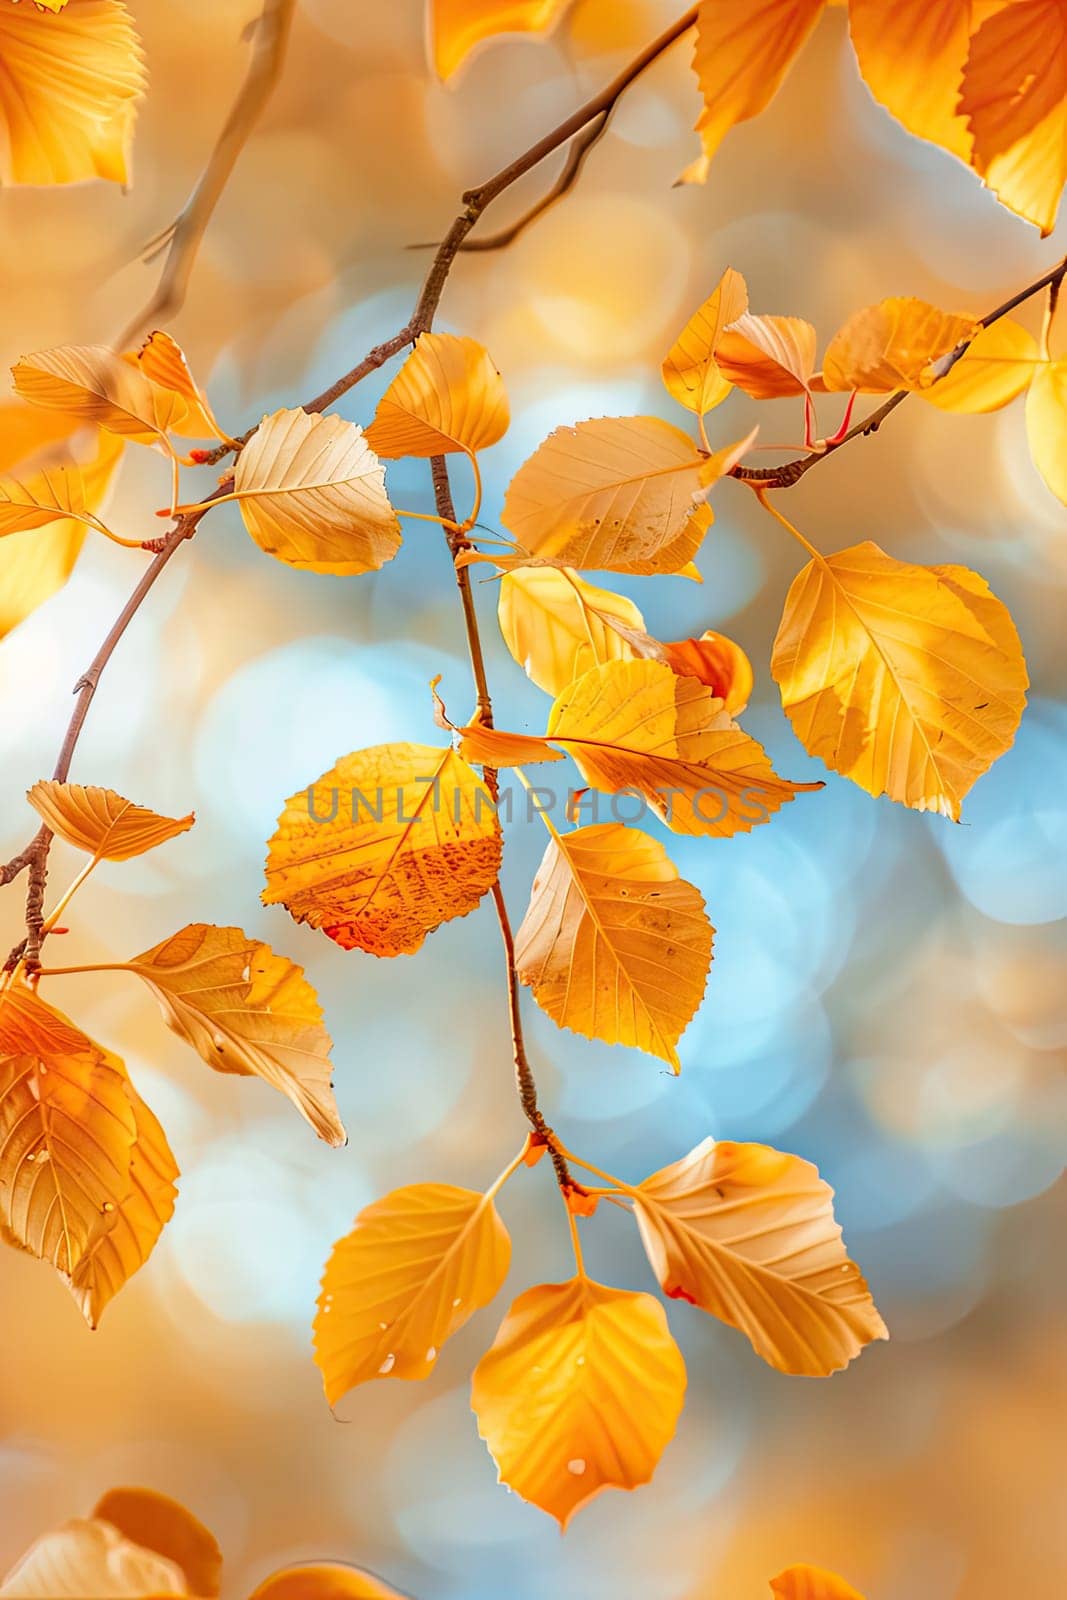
(887, 997)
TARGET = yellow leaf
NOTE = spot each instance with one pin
(312, 493)
(406, 837)
(909, 680)
(768, 357)
(690, 371)
(161, 1524)
(1046, 424)
(557, 625)
(911, 54)
(1014, 96)
(460, 26)
(49, 495)
(748, 1234)
(90, 1558)
(246, 1010)
(609, 919)
(164, 362)
(636, 725)
(447, 396)
(997, 366)
(622, 493)
(101, 822)
(890, 346)
(67, 1132)
(37, 562)
(414, 1269)
(716, 661)
(68, 92)
(581, 1391)
(317, 1582)
(742, 54)
(812, 1583)
(94, 384)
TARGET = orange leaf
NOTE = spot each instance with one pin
(101, 822)
(447, 396)
(812, 1583)
(690, 372)
(460, 26)
(163, 360)
(94, 384)
(316, 1581)
(158, 1523)
(717, 662)
(997, 366)
(768, 357)
(891, 345)
(911, 54)
(90, 1558)
(581, 1391)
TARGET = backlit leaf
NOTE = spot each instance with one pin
(383, 848)
(909, 680)
(716, 661)
(557, 625)
(50, 495)
(609, 918)
(768, 356)
(890, 346)
(162, 359)
(911, 54)
(996, 367)
(812, 1583)
(748, 1234)
(68, 91)
(636, 725)
(161, 1524)
(101, 822)
(414, 1269)
(690, 372)
(581, 1391)
(447, 396)
(312, 493)
(742, 54)
(1014, 97)
(1046, 424)
(86, 1559)
(246, 1010)
(460, 26)
(95, 385)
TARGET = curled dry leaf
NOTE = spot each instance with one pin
(162, 359)
(615, 944)
(581, 1391)
(87, 1558)
(636, 725)
(414, 1269)
(557, 625)
(158, 1523)
(246, 1010)
(996, 367)
(768, 357)
(909, 680)
(68, 92)
(101, 822)
(487, 746)
(812, 1583)
(460, 26)
(447, 396)
(748, 1234)
(690, 372)
(911, 54)
(404, 838)
(312, 492)
(716, 661)
(741, 56)
(92, 383)
(316, 1581)
(892, 345)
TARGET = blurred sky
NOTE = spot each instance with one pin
(887, 997)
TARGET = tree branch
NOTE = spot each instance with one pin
(182, 239)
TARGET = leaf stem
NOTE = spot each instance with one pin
(763, 496)
(572, 1221)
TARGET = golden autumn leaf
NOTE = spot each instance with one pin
(690, 371)
(621, 493)
(316, 1581)
(416, 1266)
(812, 1583)
(581, 1391)
(37, 562)
(486, 746)
(557, 625)
(636, 725)
(909, 680)
(95, 385)
(101, 822)
(1046, 424)
(891, 345)
(1014, 97)
(158, 1523)
(768, 357)
(911, 54)
(50, 495)
(748, 1234)
(162, 360)
(406, 838)
(609, 917)
(312, 492)
(88, 1558)
(742, 54)
(68, 92)
(247, 1010)
(460, 26)
(716, 661)
(996, 367)
(447, 396)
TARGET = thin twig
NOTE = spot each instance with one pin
(785, 476)
(270, 41)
